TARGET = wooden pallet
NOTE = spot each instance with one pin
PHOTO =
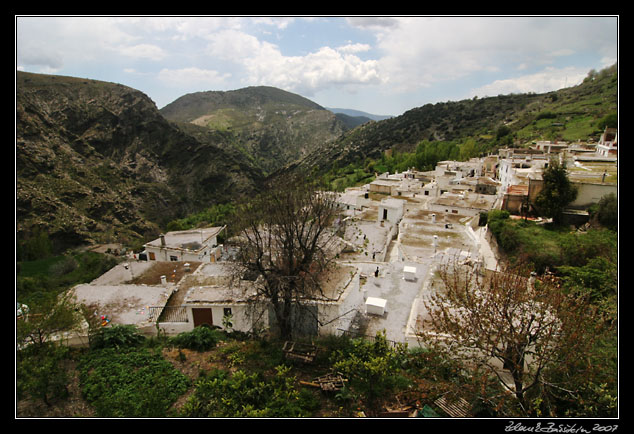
(332, 382)
(455, 407)
(298, 351)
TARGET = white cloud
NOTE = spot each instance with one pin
(373, 23)
(143, 51)
(192, 77)
(279, 22)
(264, 63)
(409, 59)
(310, 73)
(235, 46)
(545, 81)
(425, 51)
(354, 48)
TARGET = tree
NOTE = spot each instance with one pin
(556, 193)
(370, 367)
(525, 331)
(40, 372)
(40, 357)
(608, 211)
(285, 238)
(49, 314)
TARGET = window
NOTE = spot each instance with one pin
(173, 258)
(227, 318)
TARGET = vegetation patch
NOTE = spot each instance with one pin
(134, 382)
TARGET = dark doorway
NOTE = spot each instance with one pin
(202, 316)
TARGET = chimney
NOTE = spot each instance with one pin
(162, 240)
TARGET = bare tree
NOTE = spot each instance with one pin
(524, 330)
(286, 239)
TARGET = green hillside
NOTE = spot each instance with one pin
(269, 126)
(477, 126)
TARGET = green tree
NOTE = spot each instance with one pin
(40, 354)
(608, 211)
(608, 121)
(37, 245)
(557, 191)
(371, 367)
(49, 314)
(219, 394)
(40, 372)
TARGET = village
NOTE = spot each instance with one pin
(395, 232)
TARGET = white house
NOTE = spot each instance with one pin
(465, 204)
(196, 245)
(607, 146)
(212, 297)
(354, 199)
(385, 185)
(391, 210)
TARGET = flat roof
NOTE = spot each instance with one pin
(212, 284)
(192, 239)
(392, 202)
(473, 200)
(122, 304)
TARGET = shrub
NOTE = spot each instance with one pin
(202, 338)
(370, 367)
(247, 395)
(40, 373)
(65, 266)
(117, 336)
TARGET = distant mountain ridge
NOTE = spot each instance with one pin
(359, 113)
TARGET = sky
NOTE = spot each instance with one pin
(382, 65)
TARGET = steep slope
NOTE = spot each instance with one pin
(96, 162)
(568, 114)
(269, 126)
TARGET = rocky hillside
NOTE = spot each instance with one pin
(567, 114)
(269, 126)
(97, 162)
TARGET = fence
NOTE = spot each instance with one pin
(168, 313)
(354, 335)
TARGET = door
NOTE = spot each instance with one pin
(384, 214)
(202, 316)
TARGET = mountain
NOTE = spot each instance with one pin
(568, 114)
(97, 162)
(269, 126)
(359, 114)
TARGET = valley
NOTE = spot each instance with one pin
(98, 164)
